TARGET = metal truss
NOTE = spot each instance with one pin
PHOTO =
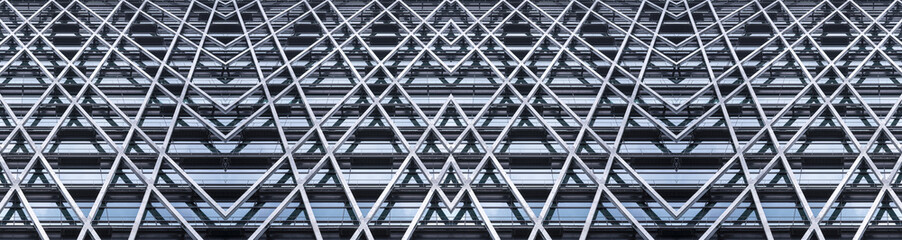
(258, 119)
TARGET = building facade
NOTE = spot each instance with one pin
(450, 119)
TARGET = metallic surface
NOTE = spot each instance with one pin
(263, 119)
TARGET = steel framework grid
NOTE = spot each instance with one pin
(449, 119)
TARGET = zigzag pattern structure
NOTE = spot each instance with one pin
(511, 119)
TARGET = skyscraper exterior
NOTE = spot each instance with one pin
(450, 119)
